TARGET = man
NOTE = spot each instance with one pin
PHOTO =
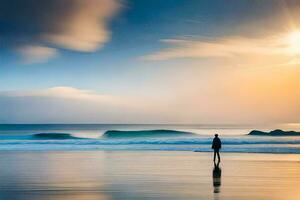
(216, 146)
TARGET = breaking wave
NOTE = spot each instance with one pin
(163, 140)
(54, 136)
(145, 133)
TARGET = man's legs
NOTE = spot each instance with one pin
(215, 155)
(219, 159)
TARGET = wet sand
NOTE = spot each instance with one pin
(122, 175)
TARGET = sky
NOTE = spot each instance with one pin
(150, 61)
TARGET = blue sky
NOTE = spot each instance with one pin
(150, 50)
(136, 30)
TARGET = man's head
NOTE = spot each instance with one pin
(216, 135)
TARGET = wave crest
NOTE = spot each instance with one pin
(145, 133)
(54, 136)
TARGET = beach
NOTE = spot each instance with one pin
(133, 100)
(166, 175)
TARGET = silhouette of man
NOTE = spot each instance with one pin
(216, 146)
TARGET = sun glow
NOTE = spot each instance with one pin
(294, 42)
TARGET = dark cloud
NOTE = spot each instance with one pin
(79, 25)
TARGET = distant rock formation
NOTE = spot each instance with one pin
(276, 132)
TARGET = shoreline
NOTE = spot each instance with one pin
(276, 155)
(145, 150)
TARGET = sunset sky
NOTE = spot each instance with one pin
(150, 61)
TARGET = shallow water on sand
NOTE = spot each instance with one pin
(121, 175)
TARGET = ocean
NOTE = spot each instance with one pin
(80, 137)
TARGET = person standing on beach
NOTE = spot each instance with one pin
(216, 146)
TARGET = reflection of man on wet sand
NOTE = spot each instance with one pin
(217, 178)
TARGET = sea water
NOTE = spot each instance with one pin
(235, 138)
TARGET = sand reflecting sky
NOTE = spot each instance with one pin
(146, 175)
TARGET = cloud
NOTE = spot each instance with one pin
(72, 105)
(85, 29)
(36, 54)
(60, 91)
(226, 97)
(68, 93)
(232, 49)
(77, 25)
